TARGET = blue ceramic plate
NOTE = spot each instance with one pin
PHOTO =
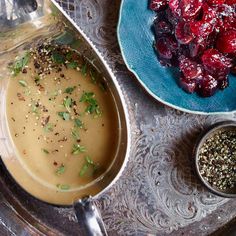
(136, 40)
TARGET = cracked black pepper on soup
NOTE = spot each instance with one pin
(62, 118)
(217, 160)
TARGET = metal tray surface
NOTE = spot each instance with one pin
(158, 193)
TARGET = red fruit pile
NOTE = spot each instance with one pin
(198, 36)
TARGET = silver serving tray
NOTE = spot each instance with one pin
(140, 203)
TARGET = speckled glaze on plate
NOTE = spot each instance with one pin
(136, 40)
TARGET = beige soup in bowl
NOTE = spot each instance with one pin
(63, 124)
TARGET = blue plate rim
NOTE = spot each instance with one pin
(148, 90)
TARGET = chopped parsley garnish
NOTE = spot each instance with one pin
(73, 65)
(27, 91)
(23, 83)
(76, 43)
(34, 108)
(67, 103)
(87, 96)
(60, 170)
(78, 149)
(88, 163)
(69, 55)
(58, 58)
(84, 69)
(19, 64)
(93, 76)
(75, 134)
(79, 123)
(53, 95)
(84, 169)
(89, 160)
(45, 151)
(64, 115)
(93, 106)
(48, 127)
(63, 186)
(70, 90)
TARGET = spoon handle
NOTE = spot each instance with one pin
(88, 214)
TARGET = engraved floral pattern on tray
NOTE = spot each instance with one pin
(158, 192)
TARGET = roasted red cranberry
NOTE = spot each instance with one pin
(230, 2)
(183, 50)
(209, 14)
(163, 48)
(174, 6)
(162, 27)
(188, 85)
(166, 46)
(172, 42)
(211, 39)
(228, 23)
(226, 19)
(197, 48)
(190, 69)
(190, 8)
(171, 17)
(226, 42)
(215, 62)
(199, 45)
(208, 86)
(225, 10)
(215, 2)
(182, 33)
(157, 5)
(201, 29)
(199, 36)
(204, 27)
(194, 49)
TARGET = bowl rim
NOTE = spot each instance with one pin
(146, 88)
(204, 135)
